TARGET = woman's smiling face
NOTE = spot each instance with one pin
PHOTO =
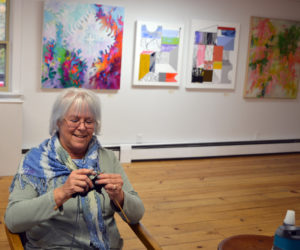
(76, 130)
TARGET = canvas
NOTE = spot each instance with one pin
(273, 68)
(212, 55)
(82, 45)
(3, 9)
(4, 44)
(158, 54)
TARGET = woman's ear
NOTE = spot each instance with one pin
(58, 123)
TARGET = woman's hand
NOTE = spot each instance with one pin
(113, 186)
(77, 182)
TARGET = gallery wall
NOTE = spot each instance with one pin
(163, 115)
(11, 137)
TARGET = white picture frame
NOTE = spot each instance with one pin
(213, 49)
(158, 54)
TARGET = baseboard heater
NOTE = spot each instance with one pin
(208, 149)
(143, 152)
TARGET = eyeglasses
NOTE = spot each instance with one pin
(75, 123)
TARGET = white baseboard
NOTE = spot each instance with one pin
(129, 153)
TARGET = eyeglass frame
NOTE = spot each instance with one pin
(78, 123)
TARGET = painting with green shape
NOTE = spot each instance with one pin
(273, 69)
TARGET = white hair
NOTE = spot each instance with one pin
(78, 97)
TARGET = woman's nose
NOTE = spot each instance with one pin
(81, 125)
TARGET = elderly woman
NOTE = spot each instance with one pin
(66, 190)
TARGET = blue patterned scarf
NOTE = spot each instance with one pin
(50, 160)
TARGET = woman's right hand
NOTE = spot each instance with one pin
(77, 182)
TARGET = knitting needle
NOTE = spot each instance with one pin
(122, 211)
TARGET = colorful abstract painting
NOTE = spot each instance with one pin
(82, 45)
(4, 51)
(158, 54)
(213, 55)
(273, 69)
(3, 10)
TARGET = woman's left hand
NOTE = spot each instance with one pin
(113, 186)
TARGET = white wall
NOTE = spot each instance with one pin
(165, 115)
(11, 137)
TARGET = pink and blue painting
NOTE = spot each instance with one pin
(82, 45)
(213, 54)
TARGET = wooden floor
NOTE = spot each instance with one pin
(194, 204)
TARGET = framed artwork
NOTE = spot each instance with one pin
(82, 45)
(273, 67)
(4, 45)
(158, 54)
(212, 55)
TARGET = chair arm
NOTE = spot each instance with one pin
(144, 236)
(14, 240)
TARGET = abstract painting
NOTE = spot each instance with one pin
(4, 9)
(212, 55)
(273, 68)
(3, 18)
(82, 45)
(158, 54)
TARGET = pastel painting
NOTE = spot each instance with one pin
(82, 45)
(273, 59)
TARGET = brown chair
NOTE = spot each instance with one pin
(15, 240)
